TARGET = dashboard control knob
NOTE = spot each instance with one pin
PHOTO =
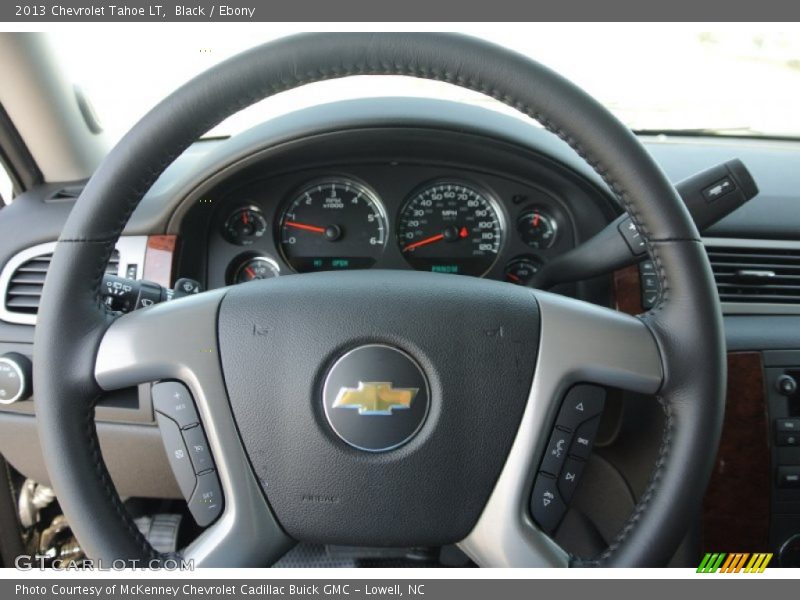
(787, 385)
(15, 377)
(789, 553)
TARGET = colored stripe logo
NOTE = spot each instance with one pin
(738, 562)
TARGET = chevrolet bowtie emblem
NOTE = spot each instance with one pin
(375, 398)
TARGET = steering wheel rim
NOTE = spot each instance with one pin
(75, 333)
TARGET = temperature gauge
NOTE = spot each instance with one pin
(537, 229)
(522, 270)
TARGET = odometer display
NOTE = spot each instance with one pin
(334, 224)
(450, 227)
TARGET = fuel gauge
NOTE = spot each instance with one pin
(521, 270)
(537, 228)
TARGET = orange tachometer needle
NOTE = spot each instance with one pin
(251, 272)
(513, 277)
(429, 240)
(536, 218)
(304, 227)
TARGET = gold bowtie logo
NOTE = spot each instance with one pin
(375, 398)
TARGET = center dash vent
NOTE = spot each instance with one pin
(25, 286)
(69, 192)
(756, 275)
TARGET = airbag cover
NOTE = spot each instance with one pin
(475, 341)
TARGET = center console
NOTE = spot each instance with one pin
(782, 379)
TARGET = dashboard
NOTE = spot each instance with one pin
(390, 198)
(388, 216)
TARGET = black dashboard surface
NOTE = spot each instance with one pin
(442, 139)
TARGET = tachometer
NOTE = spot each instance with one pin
(331, 225)
(450, 227)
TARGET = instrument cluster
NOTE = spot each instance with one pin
(454, 223)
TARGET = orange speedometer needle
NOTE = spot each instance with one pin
(304, 227)
(450, 234)
(429, 240)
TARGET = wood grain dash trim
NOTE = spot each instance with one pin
(736, 507)
(159, 259)
(628, 290)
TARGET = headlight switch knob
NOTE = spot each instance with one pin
(15, 378)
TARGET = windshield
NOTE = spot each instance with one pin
(711, 79)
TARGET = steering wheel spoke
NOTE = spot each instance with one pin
(178, 341)
(580, 343)
(586, 343)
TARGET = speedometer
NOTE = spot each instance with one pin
(332, 224)
(450, 227)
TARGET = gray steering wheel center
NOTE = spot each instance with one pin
(376, 398)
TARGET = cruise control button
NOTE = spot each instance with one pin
(647, 267)
(584, 439)
(198, 449)
(206, 502)
(649, 299)
(556, 452)
(649, 283)
(788, 439)
(547, 507)
(177, 454)
(173, 399)
(568, 480)
(583, 402)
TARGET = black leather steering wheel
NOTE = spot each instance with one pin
(492, 401)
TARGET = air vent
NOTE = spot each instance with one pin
(25, 286)
(756, 275)
(69, 192)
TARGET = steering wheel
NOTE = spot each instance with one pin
(455, 454)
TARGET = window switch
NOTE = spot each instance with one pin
(789, 477)
(788, 425)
